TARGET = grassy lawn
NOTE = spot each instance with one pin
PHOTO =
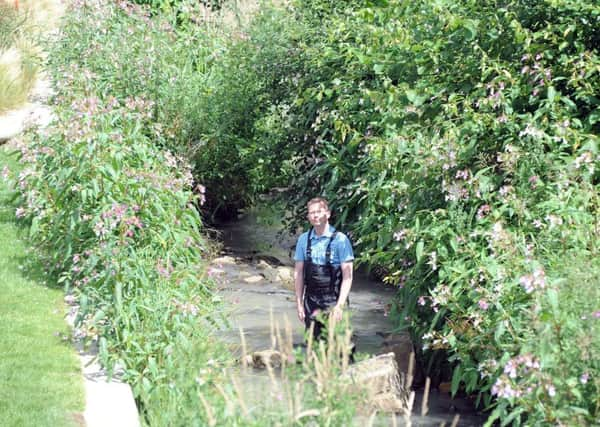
(40, 378)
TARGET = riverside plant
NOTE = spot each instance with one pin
(116, 222)
(113, 216)
(167, 60)
(460, 152)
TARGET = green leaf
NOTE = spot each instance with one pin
(471, 27)
(414, 98)
(35, 222)
(551, 94)
(500, 329)
(594, 117)
(512, 417)
(553, 300)
(419, 250)
(119, 295)
(456, 376)
(497, 413)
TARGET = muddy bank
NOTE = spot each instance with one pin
(255, 276)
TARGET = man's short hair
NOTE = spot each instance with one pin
(320, 200)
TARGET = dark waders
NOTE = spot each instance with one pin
(322, 285)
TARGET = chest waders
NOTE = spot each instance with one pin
(322, 284)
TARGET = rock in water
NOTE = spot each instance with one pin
(262, 359)
(386, 387)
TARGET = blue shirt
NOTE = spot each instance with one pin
(341, 249)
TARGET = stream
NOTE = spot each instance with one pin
(255, 277)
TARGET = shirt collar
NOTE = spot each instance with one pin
(328, 232)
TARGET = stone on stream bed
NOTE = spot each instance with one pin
(386, 388)
(279, 274)
(224, 260)
(262, 359)
(402, 347)
(254, 278)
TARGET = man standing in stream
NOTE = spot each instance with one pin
(323, 269)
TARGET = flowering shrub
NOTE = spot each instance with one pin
(459, 145)
(113, 209)
(117, 222)
(115, 217)
(457, 141)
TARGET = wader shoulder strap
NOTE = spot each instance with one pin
(328, 251)
(308, 248)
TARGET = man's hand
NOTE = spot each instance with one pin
(337, 313)
(300, 309)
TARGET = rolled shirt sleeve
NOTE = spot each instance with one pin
(344, 251)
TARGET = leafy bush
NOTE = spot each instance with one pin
(114, 216)
(459, 144)
(180, 5)
(112, 208)
(457, 141)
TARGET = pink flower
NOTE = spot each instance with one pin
(483, 304)
(421, 300)
(584, 378)
(483, 211)
(531, 282)
(503, 388)
(527, 283)
(399, 235)
(533, 180)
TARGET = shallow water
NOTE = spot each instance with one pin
(259, 299)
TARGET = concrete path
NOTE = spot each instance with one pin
(107, 403)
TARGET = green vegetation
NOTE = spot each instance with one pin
(18, 69)
(40, 376)
(458, 142)
(113, 209)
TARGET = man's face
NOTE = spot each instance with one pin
(318, 214)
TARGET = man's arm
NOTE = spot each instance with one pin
(299, 286)
(347, 275)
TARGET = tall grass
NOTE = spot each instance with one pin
(17, 66)
(18, 71)
(284, 385)
(21, 29)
